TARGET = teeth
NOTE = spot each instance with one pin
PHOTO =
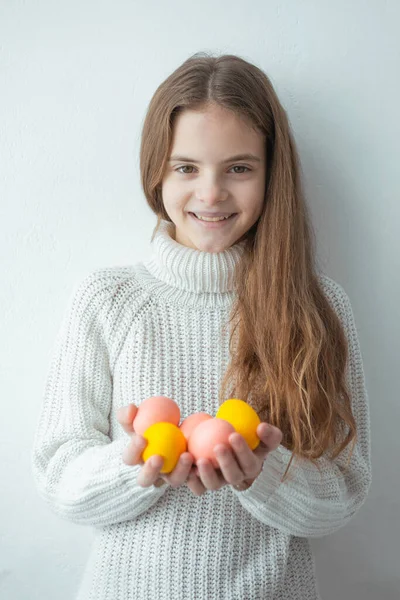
(212, 219)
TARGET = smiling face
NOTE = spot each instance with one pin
(207, 180)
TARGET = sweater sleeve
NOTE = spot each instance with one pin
(309, 503)
(77, 468)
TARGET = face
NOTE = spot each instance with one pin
(202, 177)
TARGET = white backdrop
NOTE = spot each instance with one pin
(75, 81)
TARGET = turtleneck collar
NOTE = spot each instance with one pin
(192, 270)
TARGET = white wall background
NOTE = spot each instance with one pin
(75, 80)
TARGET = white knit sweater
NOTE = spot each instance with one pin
(155, 328)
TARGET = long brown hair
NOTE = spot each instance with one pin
(291, 352)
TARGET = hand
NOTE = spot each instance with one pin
(150, 472)
(240, 466)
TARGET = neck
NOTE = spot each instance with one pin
(190, 270)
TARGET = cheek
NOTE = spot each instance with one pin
(172, 188)
(260, 183)
(166, 186)
(259, 193)
(168, 193)
(252, 198)
(254, 186)
(175, 196)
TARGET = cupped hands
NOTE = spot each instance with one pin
(239, 465)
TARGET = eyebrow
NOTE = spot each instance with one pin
(251, 157)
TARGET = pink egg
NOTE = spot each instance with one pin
(206, 436)
(187, 426)
(156, 409)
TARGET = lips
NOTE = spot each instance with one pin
(213, 216)
(219, 224)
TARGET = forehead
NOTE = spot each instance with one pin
(214, 126)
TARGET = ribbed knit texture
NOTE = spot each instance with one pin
(156, 328)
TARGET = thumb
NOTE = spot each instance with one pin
(270, 437)
(126, 416)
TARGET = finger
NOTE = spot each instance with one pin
(181, 471)
(159, 482)
(208, 475)
(150, 471)
(270, 437)
(195, 485)
(239, 463)
(196, 471)
(163, 477)
(126, 416)
(132, 453)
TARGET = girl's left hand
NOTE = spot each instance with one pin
(239, 465)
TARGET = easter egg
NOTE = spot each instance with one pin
(206, 436)
(165, 440)
(188, 424)
(243, 417)
(156, 409)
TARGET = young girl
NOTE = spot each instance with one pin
(233, 308)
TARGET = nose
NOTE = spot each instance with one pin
(210, 191)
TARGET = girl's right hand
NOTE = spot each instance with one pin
(183, 473)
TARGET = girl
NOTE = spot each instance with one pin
(216, 142)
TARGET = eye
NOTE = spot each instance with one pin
(184, 167)
(191, 167)
(241, 167)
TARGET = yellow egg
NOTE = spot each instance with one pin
(243, 417)
(166, 440)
